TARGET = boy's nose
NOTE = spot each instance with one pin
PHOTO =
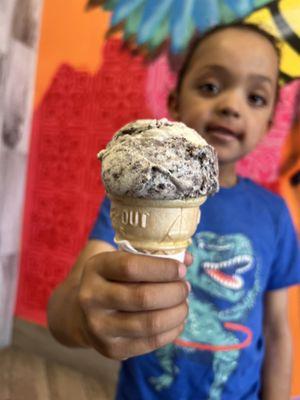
(227, 111)
(229, 105)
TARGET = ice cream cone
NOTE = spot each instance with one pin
(155, 227)
(157, 173)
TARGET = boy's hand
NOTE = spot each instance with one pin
(132, 304)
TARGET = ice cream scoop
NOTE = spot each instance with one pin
(159, 159)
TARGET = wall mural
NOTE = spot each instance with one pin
(82, 96)
(152, 26)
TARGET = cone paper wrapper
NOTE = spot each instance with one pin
(124, 245)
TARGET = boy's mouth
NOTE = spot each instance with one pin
(222, 132)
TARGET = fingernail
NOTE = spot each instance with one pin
(182, 271)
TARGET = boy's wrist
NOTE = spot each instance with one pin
(67, 324)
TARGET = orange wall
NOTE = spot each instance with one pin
(289, 166)
(68, 35)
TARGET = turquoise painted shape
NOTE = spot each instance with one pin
(154, 21)
(206, 13)
(123, 9)
(241, 7)
(154, 14)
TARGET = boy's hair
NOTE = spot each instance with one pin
(196, 42)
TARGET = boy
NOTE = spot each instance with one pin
(245, 255)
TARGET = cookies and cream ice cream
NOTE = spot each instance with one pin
(159, 159)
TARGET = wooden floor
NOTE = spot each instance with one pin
(25, 376)
(28, 374)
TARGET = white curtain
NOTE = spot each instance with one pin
(19, 27)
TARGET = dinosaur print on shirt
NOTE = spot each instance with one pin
(219, 304)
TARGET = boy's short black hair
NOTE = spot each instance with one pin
(195, 43)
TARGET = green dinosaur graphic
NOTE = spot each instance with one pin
(223, 300)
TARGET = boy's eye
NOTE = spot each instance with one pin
(257, 100)
(209, 88)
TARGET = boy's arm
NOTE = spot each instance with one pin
(65, 319)
(276, 377)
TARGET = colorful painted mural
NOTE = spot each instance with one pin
(169, 25)
(152, 24)
(87, 86)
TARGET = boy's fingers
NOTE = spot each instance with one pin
(123, 348)
(126, 267)
(151, 343)
(141, 324)
(132, 297)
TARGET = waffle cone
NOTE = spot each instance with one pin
(157, 227)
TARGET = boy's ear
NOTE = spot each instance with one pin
(270, 123)
(271, 119)
(173, 105)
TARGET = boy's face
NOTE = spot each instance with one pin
(228, 92)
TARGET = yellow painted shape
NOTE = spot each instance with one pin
(69, 35)
(290, 10)
(263, 18)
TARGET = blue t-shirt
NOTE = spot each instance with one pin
(244, 246)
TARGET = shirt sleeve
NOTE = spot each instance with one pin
(102, 229)
(285, 270)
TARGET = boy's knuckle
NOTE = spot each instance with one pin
(113, 351)
(173, 269)
(155, 342)
(84, 299)
(107, 349)
(90, 264)
(169, 269)
(110, 352)
(142, 297)
(128, 266)
(183, 290)
(95, 325)
(153, 324)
